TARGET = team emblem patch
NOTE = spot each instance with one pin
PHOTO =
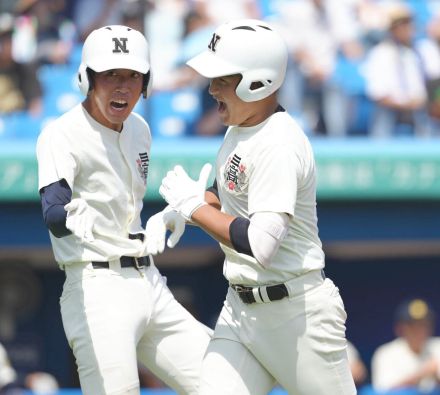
(235, 174)
(142, 166)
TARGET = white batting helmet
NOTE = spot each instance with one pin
(248, 47)
(115, 47)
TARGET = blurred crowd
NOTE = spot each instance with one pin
(357, 67)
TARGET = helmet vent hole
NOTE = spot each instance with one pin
(265, 27)
(256, 85)
(244, 28)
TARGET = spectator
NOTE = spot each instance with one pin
(41, 383)
(412, 359)
(358, 368)
(372, 18)
(430, 50)
(198, 30)
(317, 32)
(164, 26)
(395, 80)
(220, 11)
(7, 372)
(43, 32)
(20, 89)
(89, 15)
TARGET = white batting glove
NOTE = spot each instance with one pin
(80, 219)
(156, 229)
(182, 193)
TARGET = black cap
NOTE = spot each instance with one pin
(414, 310)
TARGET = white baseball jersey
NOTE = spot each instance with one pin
(270, 167)
(107, 169)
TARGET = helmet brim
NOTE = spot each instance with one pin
(126, 62)
(210, 66)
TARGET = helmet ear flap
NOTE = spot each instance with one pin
(266, 78)
(147, 85)
(83, 79)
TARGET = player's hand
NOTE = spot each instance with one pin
(156, 229)
(182, 193)
(80, 219)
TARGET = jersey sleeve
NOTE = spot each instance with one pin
(274, 180)
(55, 159)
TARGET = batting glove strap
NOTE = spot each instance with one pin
(187, 208)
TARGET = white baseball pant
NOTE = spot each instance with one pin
(298, 342)
(114, 317)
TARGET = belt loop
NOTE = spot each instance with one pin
(115, 265)
(138, 268)
(263, 294)
(257, 294)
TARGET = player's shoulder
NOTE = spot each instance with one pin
(138, 123)
(60, 127)
(284, 122)
(138, 120)
(283, 130)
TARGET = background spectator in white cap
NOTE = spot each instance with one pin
(412, 359)
(395, 79)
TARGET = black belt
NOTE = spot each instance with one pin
(126, 261)
(274, 292)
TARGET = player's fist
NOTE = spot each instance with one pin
(157, 227)
(182, 193)
(80, 219)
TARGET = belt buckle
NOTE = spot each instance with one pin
(244, 293)
(240, 288)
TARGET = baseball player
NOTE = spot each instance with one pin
(282, 321)
(93, 167)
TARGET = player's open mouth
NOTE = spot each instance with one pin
(118, 104)
(221, 106)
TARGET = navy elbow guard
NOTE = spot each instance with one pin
(238, 234)
(53, 199)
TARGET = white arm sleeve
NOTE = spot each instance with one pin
(266, 232)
